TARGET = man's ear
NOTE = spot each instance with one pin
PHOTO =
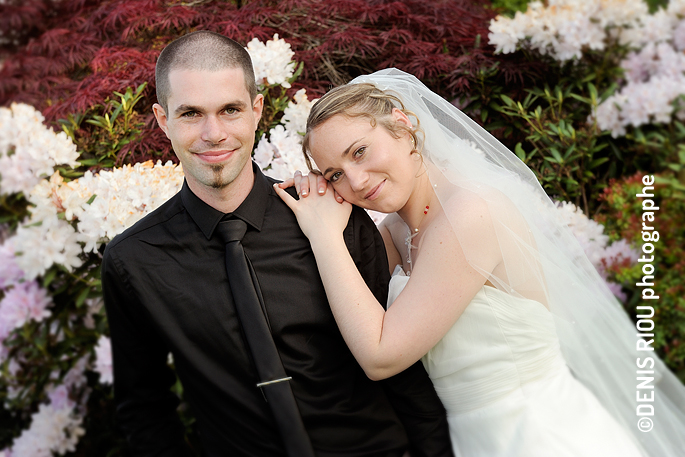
(160, 115)
(257, 107)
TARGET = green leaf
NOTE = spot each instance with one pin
(82, 296)
(680, 127)
(580, 98)
(47, 279)
(593, 93)
(528, 100)
(116, 113)
(681, 154)
(518, 150)
(609, 92)
(507, 100)
(616, 151)
(556, 155)
(569, 151)
(597, 162)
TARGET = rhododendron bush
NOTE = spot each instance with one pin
(49, 279)
(81, 158)
(612, 108)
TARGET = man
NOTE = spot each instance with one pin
(166, 291)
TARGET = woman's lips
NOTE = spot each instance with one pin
(375, 191)
(215, 156)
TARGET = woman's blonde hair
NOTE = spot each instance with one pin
(359, 100)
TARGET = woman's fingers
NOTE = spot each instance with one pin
(287, 183)
(304, 183)
(321, 184)
(299, 182)
(285, 196)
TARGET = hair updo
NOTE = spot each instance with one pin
(359, 100)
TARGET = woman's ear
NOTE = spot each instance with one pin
(399, 116)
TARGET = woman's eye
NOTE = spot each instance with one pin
(335, 176)
(360, 152)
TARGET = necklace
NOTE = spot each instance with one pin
(410, 238)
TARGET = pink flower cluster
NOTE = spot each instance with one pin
(22, 301)
(590, 234)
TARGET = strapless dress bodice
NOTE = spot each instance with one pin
(503, 380)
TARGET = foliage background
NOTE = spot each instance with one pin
(88, 66)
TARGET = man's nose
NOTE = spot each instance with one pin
(214, 130)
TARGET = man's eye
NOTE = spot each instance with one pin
(189, 114)
(230, 110)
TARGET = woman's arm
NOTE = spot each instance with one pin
(441, 285)
(394, 257)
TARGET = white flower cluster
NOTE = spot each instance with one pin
(594, 242)
(280, 155)
(655, 71)
(45, 238)
(565, 27)
(655, 74)
(52, 430)
(103, 360)
(102, 205)
(29, 150)
(296, 113)
(120, 198)
(272, 61)
(25, 302)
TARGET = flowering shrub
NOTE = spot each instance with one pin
(607, 258)
(78, 189)
(68, 57)
(29, 150)
(53, 332)
(616, 81)
(564, 28)
(281, 153)
(654, 71)
(613, 107)
(623, 220)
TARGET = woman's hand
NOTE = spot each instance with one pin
(321, 216)
(302, 185)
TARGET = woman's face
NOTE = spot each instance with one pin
(367, 166)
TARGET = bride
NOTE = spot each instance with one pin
(527, 348)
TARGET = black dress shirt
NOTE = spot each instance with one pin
(166, 291)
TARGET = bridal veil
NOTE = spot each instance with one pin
(543, 261)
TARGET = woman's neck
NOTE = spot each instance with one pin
(418, 206)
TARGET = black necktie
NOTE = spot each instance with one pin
(273, 380)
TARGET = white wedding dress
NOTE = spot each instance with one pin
(507, 390)
(502, 371)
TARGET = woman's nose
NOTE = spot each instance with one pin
(358, 179)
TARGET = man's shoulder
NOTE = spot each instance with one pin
(162, 215)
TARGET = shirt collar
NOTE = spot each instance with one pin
(251, 210)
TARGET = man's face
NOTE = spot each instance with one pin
(211, 123)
